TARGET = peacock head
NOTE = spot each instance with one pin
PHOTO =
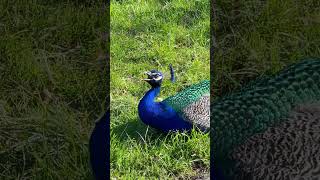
(154, 78)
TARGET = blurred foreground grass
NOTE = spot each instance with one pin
(254, 38)
(52, 87)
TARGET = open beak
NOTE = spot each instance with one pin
(147, 73)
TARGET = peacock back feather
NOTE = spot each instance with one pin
(188, 96)
(262, 104)
(289, 150)
(193, 104)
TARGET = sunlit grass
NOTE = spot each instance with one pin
(149, 35)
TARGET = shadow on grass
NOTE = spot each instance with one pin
(137, 131)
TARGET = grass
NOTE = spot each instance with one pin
(149, 35)
(52, 76)
(256, 38)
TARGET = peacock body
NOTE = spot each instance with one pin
(290, 150)
(193, 104)
(182, 111)
(99, 146)
(249, 126)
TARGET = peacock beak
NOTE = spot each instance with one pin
(149, 74)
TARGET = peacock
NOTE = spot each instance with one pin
(187, 109)
(290, 150)
(270, 129)
(99, 145)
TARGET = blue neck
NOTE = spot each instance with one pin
(148, 98)
(160, 115)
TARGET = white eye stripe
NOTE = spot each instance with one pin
(158, 78)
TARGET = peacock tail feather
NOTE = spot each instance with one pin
(193, 104)
(261, 104)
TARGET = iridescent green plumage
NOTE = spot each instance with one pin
(193, 104)
(260, 105)
(189, 95)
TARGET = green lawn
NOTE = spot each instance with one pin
(149, 35)
(262, 37)
(53, 74)
(52, 87)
